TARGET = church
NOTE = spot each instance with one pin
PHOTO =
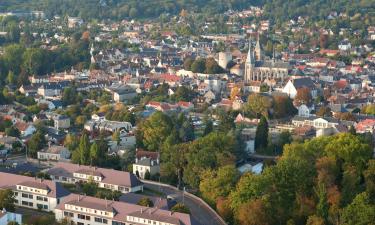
(257, 68)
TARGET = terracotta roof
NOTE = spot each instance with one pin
(148, 154)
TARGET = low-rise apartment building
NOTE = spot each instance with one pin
(114, 180)
(84, 210)
(33, 193)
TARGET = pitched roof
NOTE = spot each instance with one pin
(8, 180)
(110, 176)
(121, 210)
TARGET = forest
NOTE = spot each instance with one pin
(121, 9)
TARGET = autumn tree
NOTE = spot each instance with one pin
(258, 105)
(253, 213)
(283, 107)
(324, 112)
(145, 202)
(224, 210)
(303, 96)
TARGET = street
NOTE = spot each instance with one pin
(199, 212)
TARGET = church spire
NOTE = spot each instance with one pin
(258, 49)
(250, 53)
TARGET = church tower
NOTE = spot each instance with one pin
(249, 64)
(258, 50)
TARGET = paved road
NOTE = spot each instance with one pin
(199, 212)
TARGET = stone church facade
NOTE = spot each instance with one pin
(259, 69)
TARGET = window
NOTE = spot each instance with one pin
(24, 195)
(68, 214)
(40, 198)
(30, 204)
(80, 223)
(80, 216)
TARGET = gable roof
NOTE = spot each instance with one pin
(109, 176)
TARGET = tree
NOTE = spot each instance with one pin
(218, 183)
(212, 67)
(322, 206)
(36, 143)
(147, 175)
(208, 128)
(155, 130)
(283, 106)
(7, 200)
(224, 210)
(303, 96)
(82, 154)
(145, 202)
(324, 112)
(261, 134)
(181, 208)
(199, 66)
(188, 63)
(186, 131)
(71, 142)
(369, 175)
(116, 137)
(315, 220)
(34, 61)
(360, 212)
(253, 213)
(12, 131)
(258, 105)
(94, 154)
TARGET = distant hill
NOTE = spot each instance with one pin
(120, 9)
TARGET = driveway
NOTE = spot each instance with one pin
(199, 212)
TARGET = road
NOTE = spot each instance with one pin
(199, 212)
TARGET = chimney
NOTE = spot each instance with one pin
(141, 210)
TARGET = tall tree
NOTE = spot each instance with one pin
(7, 200)
(261, 134)
(258, 105)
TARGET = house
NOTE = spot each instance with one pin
(122, 93)
(8, 217)
(61, 122)
(33, 193)
(114, 180)
(293, 85)
(304, 110)
(316, 122)
(146, 161)
(107, 125)
(26, 129)
(54, 153)
(367, 125)
(345, 45)
(52, 90)
(82, 210)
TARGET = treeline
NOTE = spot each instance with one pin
(18, 63)
(327, 180)
(121, 9)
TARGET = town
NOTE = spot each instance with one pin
(244, 117)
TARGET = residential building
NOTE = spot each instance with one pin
(105, 178)
(84, 210)
(293, 85)
(33, 192)
(54, 153)
(146, 161)
(7, 217)
(61, 122)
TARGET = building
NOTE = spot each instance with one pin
(33, 193)
(291, 88)
(259, 69)
(105, 178)
(54, 153)
(107, 125)
(146, 161)
(61, 122)
(7, 217)
(84, 210)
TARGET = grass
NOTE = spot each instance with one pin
(151, 192)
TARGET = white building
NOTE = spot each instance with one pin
(7, 217)
(114, 180)
(84, 210)
(54, 153)
(33, 193)
(146, 161)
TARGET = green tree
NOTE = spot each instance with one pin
(36, 143)
(258, 105)
(360, 212)
(145, 202)
(261, 134)
(187, 63)
(283, 107)
(322, 206)
(94, 154)
(199, 65)
(208, 128)
(7, 200)
(218, 183)
(155, 130)
(34, 61)
(82, 154)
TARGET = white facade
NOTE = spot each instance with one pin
(6, 217)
